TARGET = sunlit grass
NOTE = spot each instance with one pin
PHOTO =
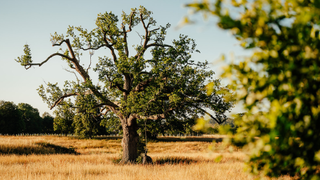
(172, 160)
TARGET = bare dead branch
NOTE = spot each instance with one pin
(73, 73)
(91, 54)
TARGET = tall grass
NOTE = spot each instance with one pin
(172, 160)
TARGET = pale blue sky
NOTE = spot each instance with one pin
(33, 21)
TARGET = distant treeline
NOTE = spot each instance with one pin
(23, 118)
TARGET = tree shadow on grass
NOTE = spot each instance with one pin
(39, 148)
(174, 160)
(187, 139)
(166, 161)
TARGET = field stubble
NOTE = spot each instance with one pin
(189, 160)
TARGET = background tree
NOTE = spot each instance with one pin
(31, 118)
(150, 82)
(11, 121)
(77, 117)
(63, 120)
(111, 123)
(87, 121)
(47, 123)
(279, 84)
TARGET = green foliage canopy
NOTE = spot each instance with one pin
(169, 81)
(279, 84)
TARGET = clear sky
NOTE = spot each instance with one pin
(33, 21)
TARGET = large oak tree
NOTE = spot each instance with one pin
(152, 81)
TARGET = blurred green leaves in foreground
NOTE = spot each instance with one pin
(279, 84)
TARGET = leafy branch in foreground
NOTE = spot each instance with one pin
(279, 84)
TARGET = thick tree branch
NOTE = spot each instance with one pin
(51, 56)
(58, 101)
(109, 46)
(120, 88)
(145, 72)
(125, 34)
(96, 48)
(146, 39)
(127, 84)
(150, 117)
(125, 41)
(86, 77)
(73, 57)
(146, 32)
(130, 23)
(160, 45)
(59, 44)
(105, 111)
(112, 85)
(146, 46)
(215, 119)
(83, 74)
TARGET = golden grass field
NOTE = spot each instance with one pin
(47, 158)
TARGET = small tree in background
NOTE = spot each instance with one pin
(63, 120)
(31, 118)
(87, 119)
(279, 84)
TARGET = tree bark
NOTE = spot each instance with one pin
(129, 141)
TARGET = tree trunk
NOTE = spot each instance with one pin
(129, 141)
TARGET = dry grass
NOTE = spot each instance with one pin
(95, 161)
